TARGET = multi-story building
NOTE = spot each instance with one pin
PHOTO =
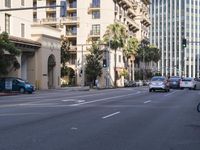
(39, 44)
(87, 21)
(172, 21)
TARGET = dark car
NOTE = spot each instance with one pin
(16, 84)
(174, 82)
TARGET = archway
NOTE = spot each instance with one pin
(51, 65)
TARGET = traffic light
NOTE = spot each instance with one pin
(104, 63)
(184, 42)
(63, 9)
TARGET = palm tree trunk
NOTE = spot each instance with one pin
(115, 69)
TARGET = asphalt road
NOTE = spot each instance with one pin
(116, 119)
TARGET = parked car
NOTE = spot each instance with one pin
(174, 82)
(16, 84)
(191, 83)
(139, 83)
(159, 83)
(129, 83)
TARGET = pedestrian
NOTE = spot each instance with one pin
(97, 83)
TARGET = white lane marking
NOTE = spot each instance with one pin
(19, 114)
(74, 128)
(73, 100)
(111, 115)
(170, 93)
(147, 102)
(103, 99)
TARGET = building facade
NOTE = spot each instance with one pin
(172, 21)
(87, 21)
(39, 44)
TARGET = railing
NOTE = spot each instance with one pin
(71, 33)
(95, 32)
(52, 20)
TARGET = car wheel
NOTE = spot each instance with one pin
(22, 90)
(198, 107)
(30, 92)
(150, 90)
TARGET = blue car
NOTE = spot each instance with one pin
(16, 84)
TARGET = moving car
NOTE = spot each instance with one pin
(159, 83)
(16, 84)
(191, 83)
(174, 82)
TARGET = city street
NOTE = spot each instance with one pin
(114, 119)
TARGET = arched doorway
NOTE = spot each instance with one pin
(51, 65)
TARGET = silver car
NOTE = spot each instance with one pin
(159, 83)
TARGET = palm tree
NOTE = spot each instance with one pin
(130, 50)
(115, 37)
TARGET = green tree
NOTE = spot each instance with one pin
(131, 47)
(8, 53)
(65, 56)
(93, 63)
(115, 37)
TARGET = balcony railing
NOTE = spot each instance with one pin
(71, 33)
(63, 20)
(94, 33)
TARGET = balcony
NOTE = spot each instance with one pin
(94, 33)
(72, 7)
(70, 20)
(93, 7)
(133, 25)
(146, 21)
(57, 21)
(147, 2)
(131, 13)
(52, 8)
(125, 3)
(73, 48)
(71, 34)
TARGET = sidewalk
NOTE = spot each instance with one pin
(76, 88)
(8, 93)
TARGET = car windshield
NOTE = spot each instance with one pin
(187, 79)
(174, 79)
(157, 79)
(24, 81)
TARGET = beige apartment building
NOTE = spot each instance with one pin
(39, 44)
(86, 21)
(89, 20)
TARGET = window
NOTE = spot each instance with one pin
(22, 30)
(96, 29)
(120, 57)
(7, 23)
(22, 2)
(96, 14)
(96, 3)
(8, 3)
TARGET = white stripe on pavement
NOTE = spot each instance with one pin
(170, 93)
(147, 102)
(103, 99)
(111, 115)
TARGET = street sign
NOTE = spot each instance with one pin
(8, 84)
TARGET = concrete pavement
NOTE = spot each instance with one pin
(115, 119)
